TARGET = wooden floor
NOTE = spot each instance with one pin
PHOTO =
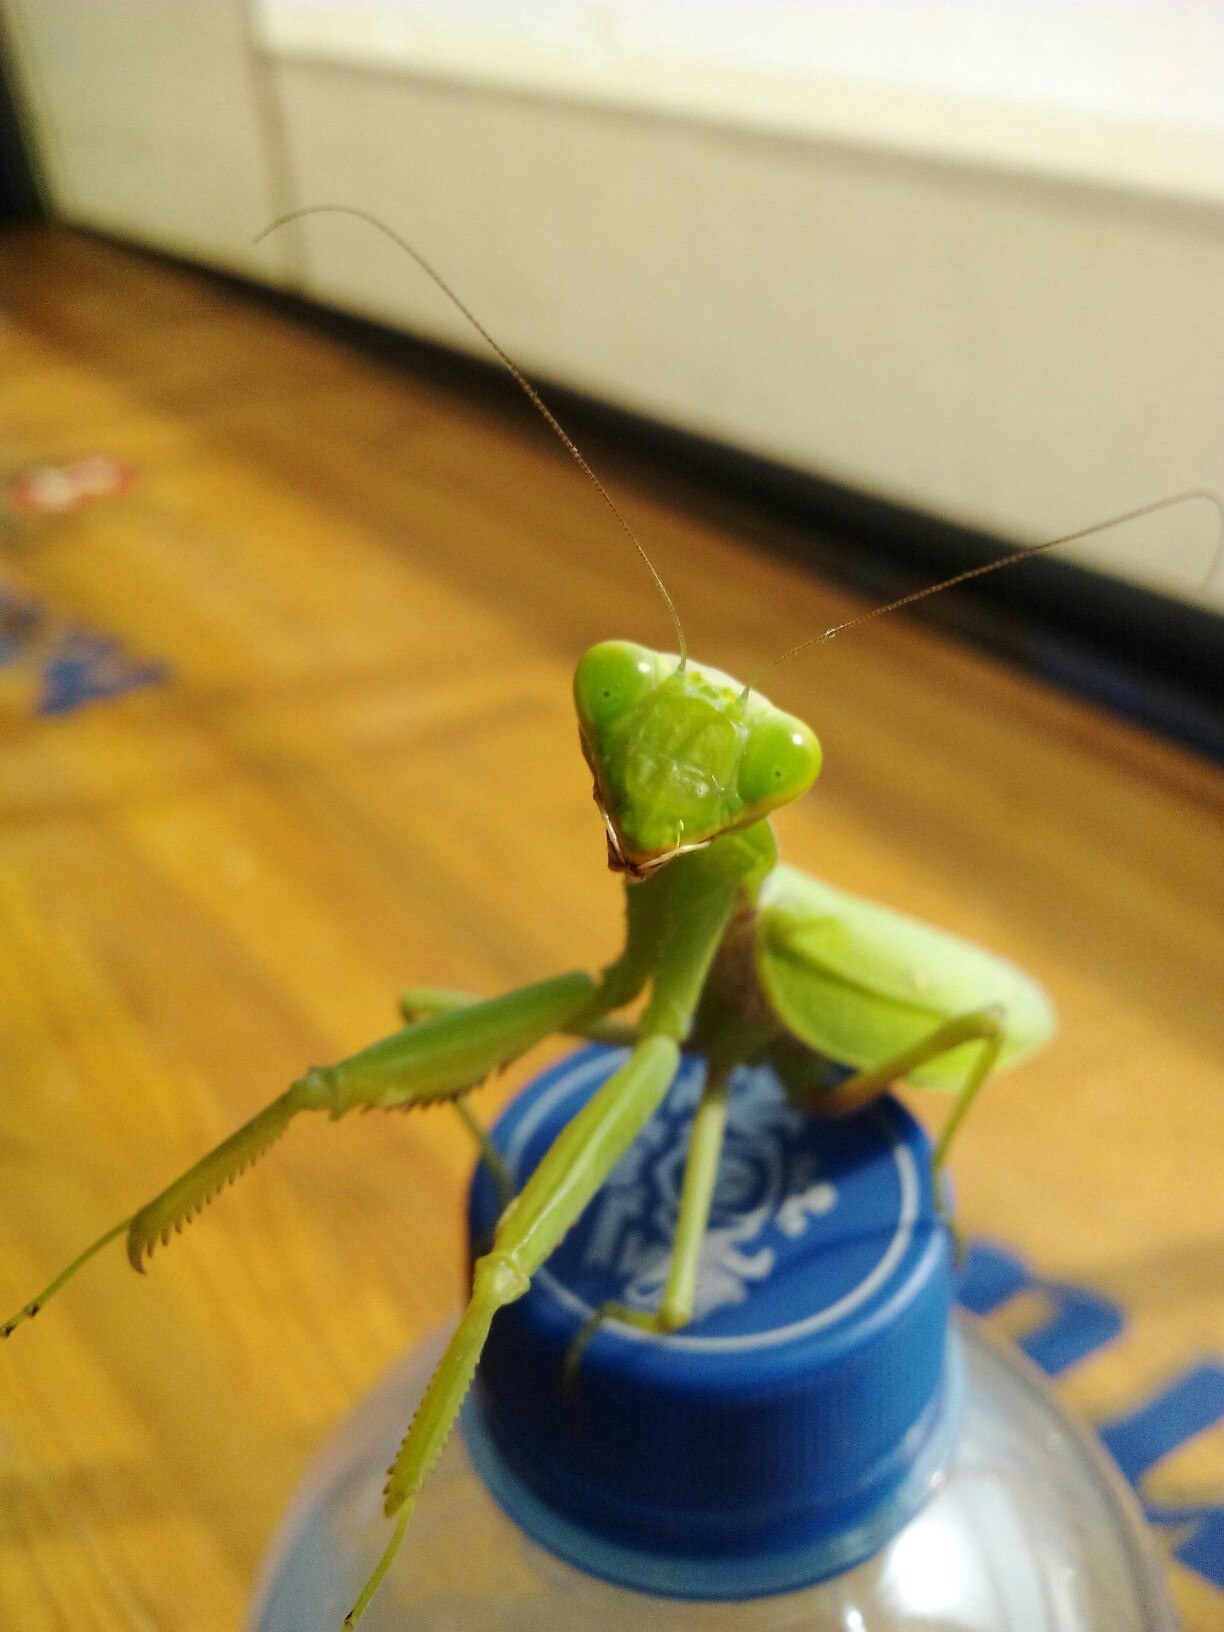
(339, 757)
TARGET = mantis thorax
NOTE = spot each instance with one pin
(681, 753)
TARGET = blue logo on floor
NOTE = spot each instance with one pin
(70, 665)
(1190, 1403)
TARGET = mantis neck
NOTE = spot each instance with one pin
(673, 906)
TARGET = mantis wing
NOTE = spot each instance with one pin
(860, 983)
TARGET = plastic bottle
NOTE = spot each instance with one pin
(825, 1449)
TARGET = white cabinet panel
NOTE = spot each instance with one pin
(1006, 315)
(1019, 355)
(150, 120)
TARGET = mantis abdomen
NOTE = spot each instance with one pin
(860, 983)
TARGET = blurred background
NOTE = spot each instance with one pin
(939, 274)
(840, 299)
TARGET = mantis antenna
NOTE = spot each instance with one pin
(507, 362)
(1010, 559)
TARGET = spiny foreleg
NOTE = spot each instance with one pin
(534, 1223)
(423, 1002)
(693, 1215)
(437, 1059)
(700, 892)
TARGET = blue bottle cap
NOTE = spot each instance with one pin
(804, 1414)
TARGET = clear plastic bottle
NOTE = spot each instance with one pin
(825, 1449)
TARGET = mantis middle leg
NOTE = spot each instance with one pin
(705, 1146)
(488, 1151)
(693, 1215)
(984, 1026)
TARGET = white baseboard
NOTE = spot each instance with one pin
(1011, 352)
(1005, 314)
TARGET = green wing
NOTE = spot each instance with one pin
(859, 982)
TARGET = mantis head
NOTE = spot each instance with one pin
(681, 753)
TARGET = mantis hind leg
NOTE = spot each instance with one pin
(984, 1026)
(693, 1215)
(438, 1059)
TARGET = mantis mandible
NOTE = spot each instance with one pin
(742, 959)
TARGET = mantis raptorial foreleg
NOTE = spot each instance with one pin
(693, 1214)
(435, 1060)
(527, 1232)
(438, 1058)
(701, 891)
(423, 1002)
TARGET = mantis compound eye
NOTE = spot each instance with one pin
(781, 760)
(609, 679)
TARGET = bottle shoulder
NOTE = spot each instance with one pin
(1025, 1499)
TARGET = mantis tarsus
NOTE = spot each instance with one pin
(743, 959)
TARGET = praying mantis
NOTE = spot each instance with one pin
(738, 958)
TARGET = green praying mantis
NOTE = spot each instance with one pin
(738, 957)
